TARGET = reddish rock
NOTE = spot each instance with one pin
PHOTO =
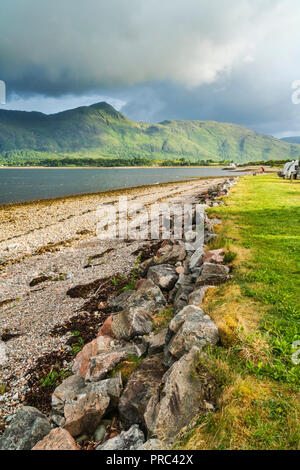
(97, 346)
(214, 256)
(180, 270)
(139, 283)
(105, 329)
(57, 439)
(101, 365)
(100, 356)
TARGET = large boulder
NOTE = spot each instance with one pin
(131, 323)
(83, 406)
(57, 439)
(214, 256)
(27, 427)
(163, 275)
(84, 415)
(119, 303)
(197, 296)
(184, 287)
(127, 440)
(99, 345)
(213, 274)
(157, 342)
(66, 392)
(170, 254)
(180, 399)
(196, 259)
(190, 327)
(144, 381)
(148, 297)
(136, 319)
(101, 355)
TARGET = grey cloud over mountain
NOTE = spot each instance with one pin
(195, 59)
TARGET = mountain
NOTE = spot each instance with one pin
(292, 140)
(99, 131)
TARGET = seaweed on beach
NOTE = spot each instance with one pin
(39, 390)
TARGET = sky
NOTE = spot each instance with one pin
(223, 60)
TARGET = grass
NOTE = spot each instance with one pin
(126, 367)
(162, 319)
(55, 377)
(258, 315)
(77, 343)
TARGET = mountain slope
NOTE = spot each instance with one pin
(101, 131)
(292, 140)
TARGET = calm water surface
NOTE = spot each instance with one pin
(24, 184)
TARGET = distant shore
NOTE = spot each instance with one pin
(102, 167)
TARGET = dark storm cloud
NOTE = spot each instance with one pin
(230, 60)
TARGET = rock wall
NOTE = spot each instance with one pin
(161, 395)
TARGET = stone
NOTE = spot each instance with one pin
(84, 405)
(180, 270)
(163, 275)
(136, 320)
(148, 297)
(57, 439)
(144, 266)
(131, 323)
(98, 346)
(184, 287)
(214, 256)
(153, 444)
(157, 342)
(170, 254)
(143, 382)
(106, 329)
(27, 427)
(190, 327)
(58, 420)
(175, 405)
(85, 413)
(119, 303)
(197, 296)
(113, 387)
(101, 355)
(127, 440)
(196, 259)
(213, 274)
(67, 391)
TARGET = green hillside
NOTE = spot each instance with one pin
(99, 131)
(293, 140)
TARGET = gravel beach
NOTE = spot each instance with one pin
(46, 248)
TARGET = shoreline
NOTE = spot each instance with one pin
(29, 228)
(109, 192)
(49, 251)
(104, 167)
